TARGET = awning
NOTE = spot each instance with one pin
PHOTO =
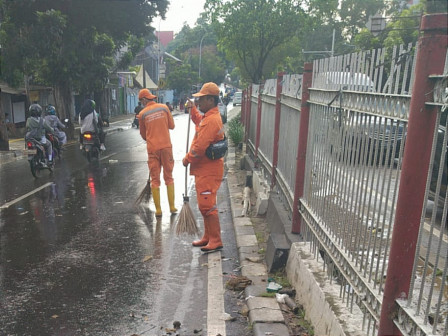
(149, 82)
(7, 89)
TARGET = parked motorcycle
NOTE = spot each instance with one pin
(91, 146)
(36, 157)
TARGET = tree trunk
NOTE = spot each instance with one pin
(101, 105)
(4, 140)
(64, 102)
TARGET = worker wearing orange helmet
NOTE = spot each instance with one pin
(208, 173)
(155, 122)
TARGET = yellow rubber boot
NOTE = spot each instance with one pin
(170, 190)
(156, 197)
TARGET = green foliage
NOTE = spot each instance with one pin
(354, 14)
(181, 78)
(236, 130)
(269, 295)
(187, 47)
(280, 278)
(72, 43)
(402, 29)
(251, 31)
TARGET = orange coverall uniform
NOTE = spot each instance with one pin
(155, 122)
(208, 173)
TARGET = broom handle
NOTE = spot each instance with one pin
(188, 140)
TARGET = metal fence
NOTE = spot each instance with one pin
(353, 186)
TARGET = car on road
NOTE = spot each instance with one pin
(237, 98)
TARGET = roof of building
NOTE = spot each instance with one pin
(165, 37)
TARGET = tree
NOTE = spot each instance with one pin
(71, 45)
(181, 78)
(187, 47)
(250, 31)
(402, 28)
(355, 14)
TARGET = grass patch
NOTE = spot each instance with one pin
(268, 294)
(260, 237)
(280, 278)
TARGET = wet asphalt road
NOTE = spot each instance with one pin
(78, 258)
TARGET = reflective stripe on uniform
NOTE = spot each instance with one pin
(157, 109)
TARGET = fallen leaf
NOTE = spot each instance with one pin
(55, 316)
(147, 258)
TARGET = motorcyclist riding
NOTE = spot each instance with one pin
(36, 127)
(90, 121)
(52, 119)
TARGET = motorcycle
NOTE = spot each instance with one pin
(91, 146)
(135, 122)
(36, 157)
(55, 144)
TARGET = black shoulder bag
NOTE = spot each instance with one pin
(217, 150)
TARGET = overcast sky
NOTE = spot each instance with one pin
(180, 11)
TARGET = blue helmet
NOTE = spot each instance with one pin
(51, 110)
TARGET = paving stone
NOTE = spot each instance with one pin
(272, 329)
(246, 240)
(263, 309)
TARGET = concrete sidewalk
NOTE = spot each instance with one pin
(265, 314)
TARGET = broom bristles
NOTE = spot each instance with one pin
(186, 223)
(145, 194)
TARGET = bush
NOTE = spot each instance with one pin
(236, 130)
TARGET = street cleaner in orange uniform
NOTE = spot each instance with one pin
(208, 173)
(155, 122)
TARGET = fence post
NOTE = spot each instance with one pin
(278, 108)
(301, 151)
(432, 48)
(243, 107)
(258, 131)
(248, 111)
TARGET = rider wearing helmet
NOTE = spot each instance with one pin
(90, 121)
(52, 119)
(36, 127)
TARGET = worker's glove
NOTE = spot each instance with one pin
(185, 162)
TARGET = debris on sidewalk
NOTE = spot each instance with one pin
(238, 283)
(273, 287)
(246, 201)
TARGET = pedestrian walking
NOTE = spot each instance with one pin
(208, 173)
(155, 121)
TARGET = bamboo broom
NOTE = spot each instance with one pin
(145, 194)
(186, 223)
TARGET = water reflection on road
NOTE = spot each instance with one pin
(78, 257)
